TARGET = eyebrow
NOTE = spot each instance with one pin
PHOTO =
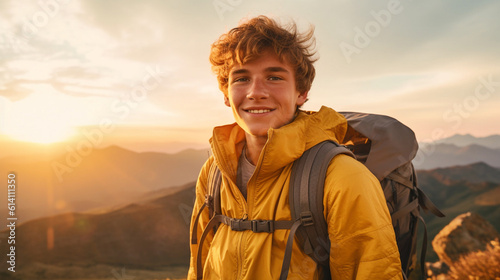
(269, 69)
(276, 69)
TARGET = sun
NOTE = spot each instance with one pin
(34, 124)
(41, 135)
(39, 131)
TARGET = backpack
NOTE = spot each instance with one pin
(386, 147)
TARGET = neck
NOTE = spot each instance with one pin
(255, 144)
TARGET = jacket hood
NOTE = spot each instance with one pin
(284, 145)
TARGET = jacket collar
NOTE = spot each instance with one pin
(284, 145)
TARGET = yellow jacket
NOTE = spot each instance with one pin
(363, 244)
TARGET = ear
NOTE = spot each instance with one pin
(302, 98)
(226, 101)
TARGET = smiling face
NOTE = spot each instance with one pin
(263, 95)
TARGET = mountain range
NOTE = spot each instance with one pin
(462, 140)
(459, 149)
(53, 180)
(435, 155)
(50, 184)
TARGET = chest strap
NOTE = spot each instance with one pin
(256, 226)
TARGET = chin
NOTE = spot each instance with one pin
(258, 131)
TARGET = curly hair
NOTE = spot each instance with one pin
(250, 39)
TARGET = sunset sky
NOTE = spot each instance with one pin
(141, 67)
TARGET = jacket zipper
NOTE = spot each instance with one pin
(256, 172)
(240, 250)
(249, 208)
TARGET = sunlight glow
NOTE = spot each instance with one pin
(36, 120)
(41, 135)
(40, 128)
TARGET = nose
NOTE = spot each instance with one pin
(257, 90)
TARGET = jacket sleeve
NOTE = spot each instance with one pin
(201, 190)
(363, 243)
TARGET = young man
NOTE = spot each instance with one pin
(265, 72)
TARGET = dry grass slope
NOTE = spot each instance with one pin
(483, 265)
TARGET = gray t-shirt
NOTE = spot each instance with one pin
(245, 171)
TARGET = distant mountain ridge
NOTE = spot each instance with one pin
(458, 149)
(15, 148)
(103, 178)
(430, 156)
(461, 140)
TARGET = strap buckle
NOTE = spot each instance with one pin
(306, 219)
(262, 226)
(237, 225)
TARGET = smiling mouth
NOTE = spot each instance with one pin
(261, 111)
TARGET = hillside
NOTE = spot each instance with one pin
(459, 189)
(147, 235)
(473, 173)
(58, 183)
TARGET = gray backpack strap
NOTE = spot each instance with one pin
(306, 203)
(212, 201)
(214, 221)
(214, 183)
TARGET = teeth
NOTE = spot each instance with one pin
(259, 111)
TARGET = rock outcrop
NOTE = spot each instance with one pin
(467, 233)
